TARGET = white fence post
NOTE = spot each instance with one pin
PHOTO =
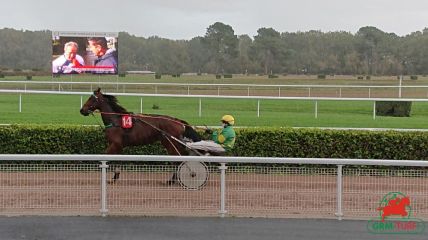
(399, 88)
(81, 101)
(200, 107)
(222, 168)
(258, 108)
(316, 109)
(141, 105)
(103, 209)
(339, 212)
(374, 110)
(20, 102)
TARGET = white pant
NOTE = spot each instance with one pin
(207, 146)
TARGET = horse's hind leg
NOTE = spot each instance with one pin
(172, 149)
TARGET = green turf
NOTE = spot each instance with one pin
(64, 109)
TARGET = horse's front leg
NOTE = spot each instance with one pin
(115, 148)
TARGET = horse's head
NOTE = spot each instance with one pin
(93, 103)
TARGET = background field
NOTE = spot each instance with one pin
(62, 109)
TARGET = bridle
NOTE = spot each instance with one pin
(92, 108)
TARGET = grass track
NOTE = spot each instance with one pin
(64, 109)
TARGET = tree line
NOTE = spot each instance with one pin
(369, 51)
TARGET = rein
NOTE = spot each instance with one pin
(139, 116)
(99, 123)
(166, 135)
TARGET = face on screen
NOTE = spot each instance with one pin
(70, 52)
(95, 48)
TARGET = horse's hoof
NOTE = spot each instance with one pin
(111, 182)
(171, 182)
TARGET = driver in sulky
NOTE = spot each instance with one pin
(222, 140)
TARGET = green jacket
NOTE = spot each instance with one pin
(225, 137)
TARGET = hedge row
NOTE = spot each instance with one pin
(313, 143)
(38, 139)
(393, 108)
(263, 142)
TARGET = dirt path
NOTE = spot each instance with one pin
(247, 194)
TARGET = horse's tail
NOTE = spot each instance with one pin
(189, 132)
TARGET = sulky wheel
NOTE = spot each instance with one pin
(192, 175)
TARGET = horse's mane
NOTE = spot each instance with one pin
(114, 104)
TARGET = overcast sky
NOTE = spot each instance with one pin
(184, 19)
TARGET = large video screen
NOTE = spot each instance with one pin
(84, 52)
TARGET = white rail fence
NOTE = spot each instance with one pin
(200, 97)
(236, 186)
(228, 89)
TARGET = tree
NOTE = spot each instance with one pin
(268, 47)
(199, 55)
(167, 56)
(414, 53)
(244, 62)
(222, 43)
(25, 49)
(373, 46)
(132, 52)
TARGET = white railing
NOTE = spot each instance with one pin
(61, 184)
(219, 89)
(23, 82)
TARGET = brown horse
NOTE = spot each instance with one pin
(146, 128)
